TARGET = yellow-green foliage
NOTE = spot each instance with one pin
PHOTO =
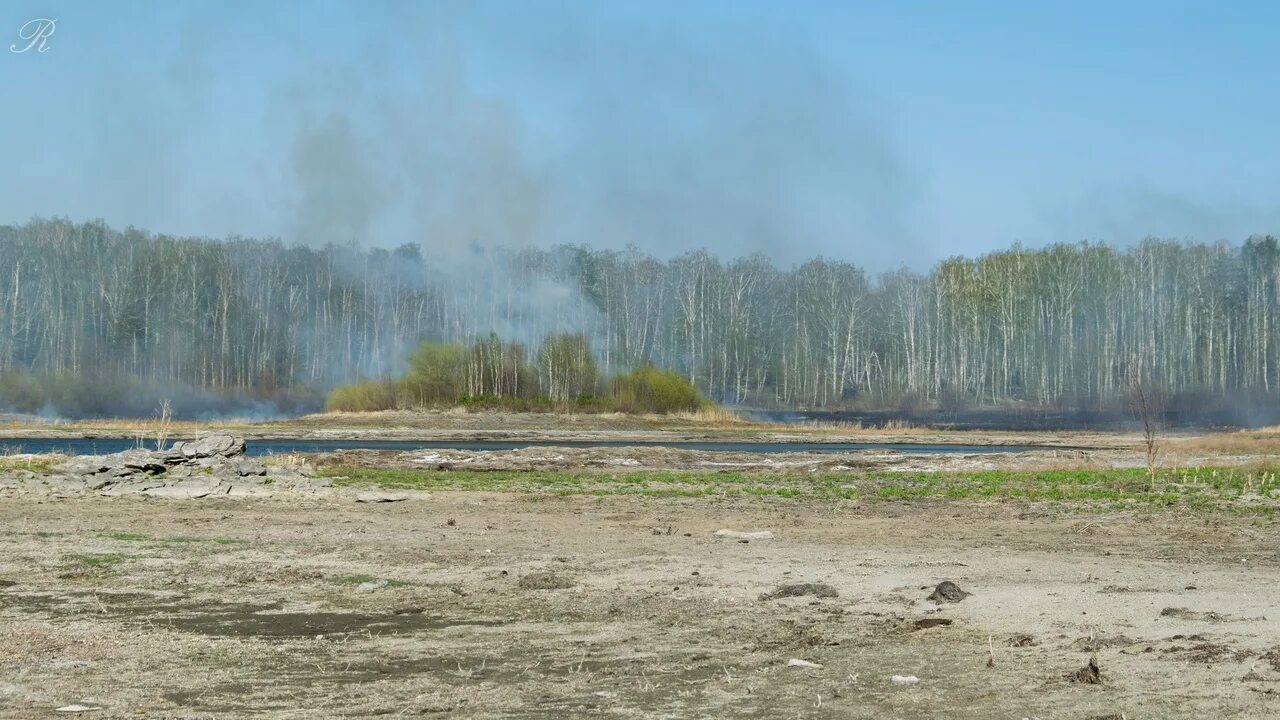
(647, 389)
(435, 377)
(366, 396)
(492, 374)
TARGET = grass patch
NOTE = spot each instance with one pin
(198, 539)
(36, 464)
(360, 579)
(646, 484)
(1245, 489)
(93, 560)
(139, 537)
(125, 536)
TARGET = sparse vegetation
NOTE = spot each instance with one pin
(93, 560)
(125, 536)
(1253, 488)
(29, 463)
(360, 579)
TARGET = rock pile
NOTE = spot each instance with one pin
(212, 464)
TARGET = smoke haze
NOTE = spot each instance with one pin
(880, 138)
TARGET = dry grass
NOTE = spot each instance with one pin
(292, 459)
(897, 425)
(1258, 441)
(716, 416)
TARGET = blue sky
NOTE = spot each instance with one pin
(882, 133)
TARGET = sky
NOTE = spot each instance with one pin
(886, 134)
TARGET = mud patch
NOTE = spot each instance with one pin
(1205, 652)
(819, 590)
(219, 619)
(1102, 641)
(544, 581)
(1188, 614)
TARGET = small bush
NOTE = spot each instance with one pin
(491, 375)
(366, 396)
(649, 390)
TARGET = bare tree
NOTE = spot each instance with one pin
(1148, 408)
(101, 321)
(163, 423)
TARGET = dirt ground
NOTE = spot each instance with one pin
(473, 604)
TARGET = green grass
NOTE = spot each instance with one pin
(198, 539)
(42, 464)
(647, 484)
(93, 560)
(126, 536)
(1247, 489)
(358, 579)
(139, 537)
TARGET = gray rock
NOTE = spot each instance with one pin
(211, 445)
(65, 484)
(380, 497)
(81, 466)
(948, 592)
(244, 467)
(240, 488)
(189, 488)
(131, 487)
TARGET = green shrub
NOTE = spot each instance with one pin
(366, 396)
(435, 377)
(647, 389)
(492, 375)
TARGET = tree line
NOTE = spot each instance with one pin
(1062, 325)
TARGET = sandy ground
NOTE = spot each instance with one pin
(537, 606)
(631, 459)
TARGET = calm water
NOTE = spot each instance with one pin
(103, 446)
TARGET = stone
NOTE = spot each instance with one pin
(211, 445)
(248, 489)
(380, 497)
(189, 489)
(947, 591)
(244, 467)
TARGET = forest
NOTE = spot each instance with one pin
(96, 320)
